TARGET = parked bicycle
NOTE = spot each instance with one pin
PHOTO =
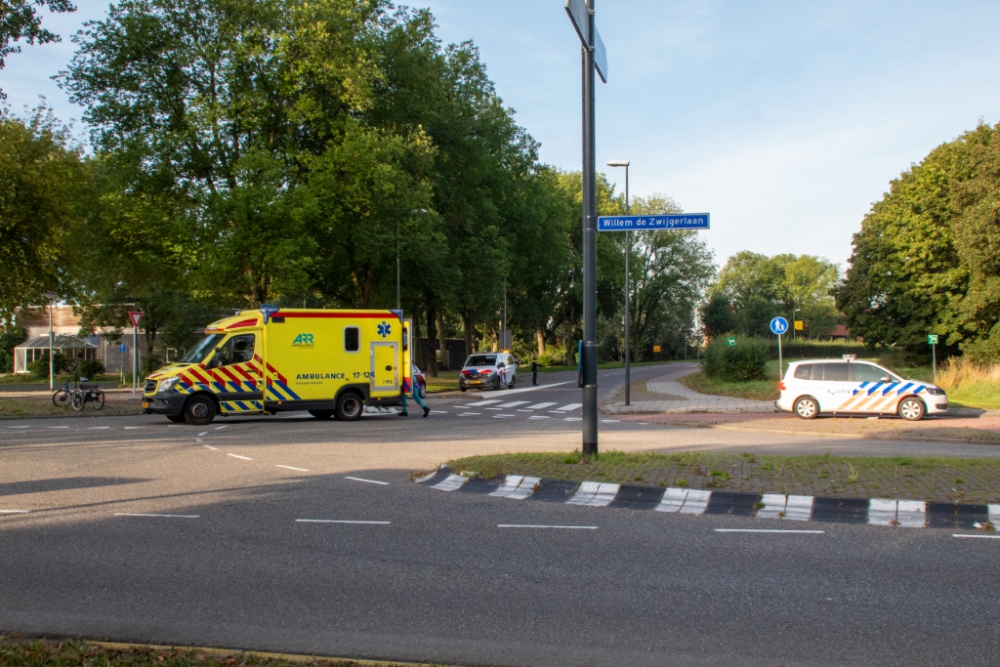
(83, 395)
(62, 397)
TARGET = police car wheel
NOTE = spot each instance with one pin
(199, 410)
(806, 407)
(349, 407)
(512, 379)
(177, 419)
(911, 409)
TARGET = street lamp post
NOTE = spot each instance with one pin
(794, 310)
(628, 294)
(51, 296)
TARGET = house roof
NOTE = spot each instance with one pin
(61, 342)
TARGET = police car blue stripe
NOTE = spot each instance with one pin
(904, 387)
(889, 388)
(874, 388)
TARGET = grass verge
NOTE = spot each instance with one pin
(17, 652)
(901, 477)
(757, 390)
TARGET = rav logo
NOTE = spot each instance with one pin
(303, 340)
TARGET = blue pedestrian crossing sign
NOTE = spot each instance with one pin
(121, 348)
(779, 325)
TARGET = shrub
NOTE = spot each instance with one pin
(88, 369)
(554, 356)
(743, 362)
(151, 363)
(39, 368)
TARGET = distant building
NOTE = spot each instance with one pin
(841, 332)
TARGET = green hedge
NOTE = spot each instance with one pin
(743, 362)
(815, 349)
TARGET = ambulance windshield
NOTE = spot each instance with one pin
(197, 354)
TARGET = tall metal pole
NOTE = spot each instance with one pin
(504, 345)
(628, 298)
(52, 358)
(398, 302)
(589, 361)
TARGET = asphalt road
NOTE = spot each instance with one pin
(431, 576)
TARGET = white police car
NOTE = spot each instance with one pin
(841, 386)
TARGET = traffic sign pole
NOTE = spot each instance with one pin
(932, 340)
(779, 325)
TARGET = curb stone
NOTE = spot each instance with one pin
(873, 511)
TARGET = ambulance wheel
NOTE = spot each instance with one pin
(177, 419)
(911, 409)
(806, 407)
(321, 414)
(349, 407)
(199, 410)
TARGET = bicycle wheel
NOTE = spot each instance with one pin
(78, 400)
(60, 399)
(98, 399)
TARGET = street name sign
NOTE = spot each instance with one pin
(779, 325)
(731, 341)
(579, 15)
(631, 223)
(932, 339)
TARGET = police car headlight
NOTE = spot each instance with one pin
(934, 391)
(168, 383)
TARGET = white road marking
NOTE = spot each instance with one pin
(502, 416)
(363, 523)
(540, 417)
(367, 481)
(610, 421)
(203, 433)
(911, 513)
(451, 483)
(98, 428)
(129, 428)
(14, 511)
(539, 406)
(291, 468)
(768, 530)
(494, 408)
(172, 425)
(573, 419)
(508, 392)
(570, 406)
(237, 456)
(219, 428)
(510, 484)
(774, 504)
(673, 500)
(555, 412)
(439, 412)
(214, 449)
(513, 404)
(798, 508)
(525, 488)
(979, 537)
(165, 516)
(482, 403)
(881, 512)
(57, 427)
(29, 427)
(697, 501)
(469, 414)
(528, 525)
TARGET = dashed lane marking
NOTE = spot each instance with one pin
(203, 433)
(539, 417)
(57, 427)
(530, 525)
(469, 414)
(482, 403)
(610, 421)
(361, 523)
(292, 468)
(160, 516)
(214, 449)
(129, 428)
(237, 456)
(367, 481)
(569, 407)
(979, 537)
(503, 416)
(539, 406)
(573, 419)
(494, 408)
(439, 412)
(175, 425)
(768, 530)
(513, 404)
(219, 428)
(98, 428)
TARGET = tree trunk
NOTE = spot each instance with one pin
(432, 367)
(541, 341)
(442, 343)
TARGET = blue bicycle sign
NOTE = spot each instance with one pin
(779, 325)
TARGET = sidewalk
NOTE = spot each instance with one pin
(665, 395)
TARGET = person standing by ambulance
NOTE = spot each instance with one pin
(408, 386)
(534, 372)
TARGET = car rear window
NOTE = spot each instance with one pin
(836, 373)
(804, 371)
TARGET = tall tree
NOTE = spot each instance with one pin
(19, 20)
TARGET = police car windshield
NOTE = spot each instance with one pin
(481, 360)
(197, 354)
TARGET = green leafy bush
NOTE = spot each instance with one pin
(554, 356)
(90, 368)
(743, 362)
(39, 368)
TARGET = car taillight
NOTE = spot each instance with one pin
(781, 386)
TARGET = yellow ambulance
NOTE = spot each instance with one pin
(329, 362)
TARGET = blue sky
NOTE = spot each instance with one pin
(784, 120)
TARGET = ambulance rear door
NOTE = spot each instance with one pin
(385, 369)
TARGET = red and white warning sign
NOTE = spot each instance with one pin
(135, 316)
